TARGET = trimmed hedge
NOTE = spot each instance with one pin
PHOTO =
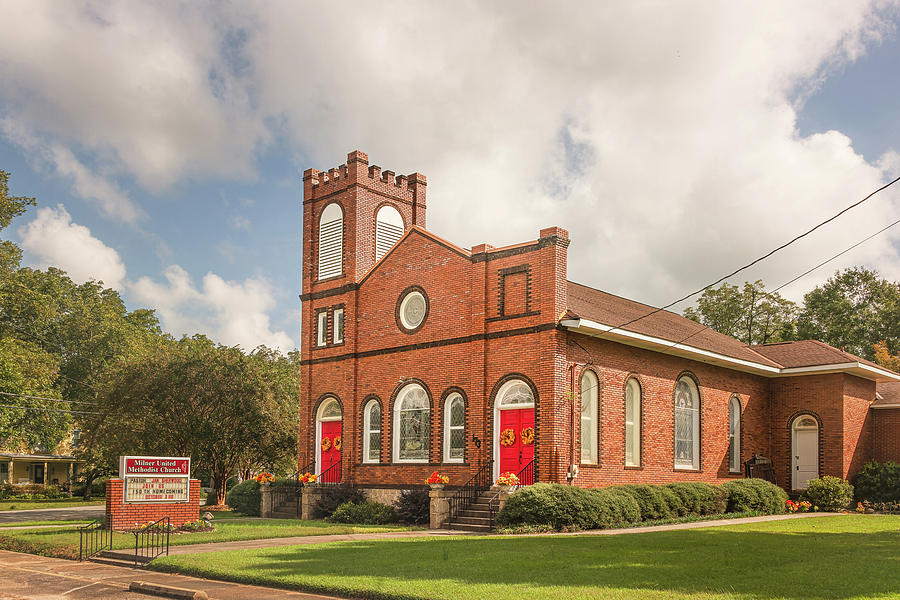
(829, 493)
(245, 498)
(754, 495)
(570, 508)
(363, 513)
(878, 482)
(29, 491)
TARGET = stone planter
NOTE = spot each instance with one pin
(437, 486)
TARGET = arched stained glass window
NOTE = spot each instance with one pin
(632, 423)
(734, 435)
(454, 428)
(687, 424)
(589, 426)
(372, 432)
(412, 419)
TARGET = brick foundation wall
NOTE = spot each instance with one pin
(886, 436)
(124, 515)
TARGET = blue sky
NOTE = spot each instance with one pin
(165, 143)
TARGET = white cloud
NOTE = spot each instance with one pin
(55, 240)
(231, 312)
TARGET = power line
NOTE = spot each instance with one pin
(802, 275)
(761, 258)
(72, 412)
(43, 398)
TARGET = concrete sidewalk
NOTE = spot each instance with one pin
(25, 576)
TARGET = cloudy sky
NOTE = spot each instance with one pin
(675, 141)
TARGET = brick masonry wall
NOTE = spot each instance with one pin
(124, 515)
(857, 426)
(886, 436)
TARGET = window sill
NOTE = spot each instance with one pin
(397, 461)
(687, 469)
(633, 467)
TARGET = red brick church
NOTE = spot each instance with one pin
(419, 355)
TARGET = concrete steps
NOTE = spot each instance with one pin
(476, 517)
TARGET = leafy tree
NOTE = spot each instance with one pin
(884, 357)
(222, 407)
(853, 310)
(10, 208)
(750, 314)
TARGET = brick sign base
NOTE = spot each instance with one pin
(124, 515)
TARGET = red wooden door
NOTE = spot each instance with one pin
(331, 455)
(515, 456)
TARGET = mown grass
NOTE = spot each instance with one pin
(37, 523)
(846, 557)
(63, 542)
(57, 503)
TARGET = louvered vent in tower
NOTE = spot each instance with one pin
(331, 241)
(388, 229)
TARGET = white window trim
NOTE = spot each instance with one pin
(694, 465)
(734, 466)
(396, 428)
(368, 431)
(591, 418)
(338, 315)
(448, 429)
(635, 424)
(322, 328)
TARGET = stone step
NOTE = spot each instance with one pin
(467, 520)
(285, 514)
(469, 527)
(476, 514)
(117, 563)
(123, 556)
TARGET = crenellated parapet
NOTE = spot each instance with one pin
(357, 171)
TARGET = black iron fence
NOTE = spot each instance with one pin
(95, 537)
(479, 483)
(332, 474)
(526, 475)
(285, 491)
(151, 540)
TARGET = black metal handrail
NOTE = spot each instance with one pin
(526, 475)
(95, 537)
(480, 482)
(286, 491)
(332, 474)
(494, 501)
(151, 540)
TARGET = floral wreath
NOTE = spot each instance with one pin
(507, 437)
(326, 444)
(337, 443)
(527, 436)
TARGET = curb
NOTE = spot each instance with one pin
(166, 591)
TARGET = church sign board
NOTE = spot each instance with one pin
(155, 478)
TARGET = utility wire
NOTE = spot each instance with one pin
(761, 258)
(43, 398)
(73, 412)
(804, 274)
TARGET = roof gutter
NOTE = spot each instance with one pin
(631, 338)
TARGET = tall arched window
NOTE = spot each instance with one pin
(734, 435)
(388, 229)
(454, 428)
(687, 424)
(372, 432)
(412, 419)
(632, 423)
(331, 241)
(589, 394)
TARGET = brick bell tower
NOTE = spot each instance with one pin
(352, 215)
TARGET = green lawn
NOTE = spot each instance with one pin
(63, 542)
(33, 523)
(58, 503)
(855, 556)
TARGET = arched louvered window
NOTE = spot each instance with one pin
(388, 229)
(331, 241)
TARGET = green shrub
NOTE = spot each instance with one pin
(363, 513)
(829, 493)
(333, 496)
(30, 491)
(244, 498)
(878, 482)
(650, 499)
(414, 506)
(756, 495)
(699, 498)
(567, 508)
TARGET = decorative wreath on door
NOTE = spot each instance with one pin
(326, 444)
(527, 436)
(507, 437)
(337, 443)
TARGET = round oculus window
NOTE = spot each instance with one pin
(413, 309)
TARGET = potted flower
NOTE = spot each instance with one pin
(264, 478)
(437, 481)
(507, 480)
(308, 479)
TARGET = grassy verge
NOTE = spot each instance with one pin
(854, 556)
(63, 542)
(58, 503)
(36, 523)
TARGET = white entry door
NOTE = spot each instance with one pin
(805, 446)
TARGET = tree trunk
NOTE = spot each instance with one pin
(88, 483)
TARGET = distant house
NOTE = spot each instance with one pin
(419, 355)
(40, 465)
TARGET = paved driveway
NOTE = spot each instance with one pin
(53, 514)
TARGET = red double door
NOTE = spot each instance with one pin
(330, 455)
(515, 456)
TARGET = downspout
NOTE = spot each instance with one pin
(569, 477)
